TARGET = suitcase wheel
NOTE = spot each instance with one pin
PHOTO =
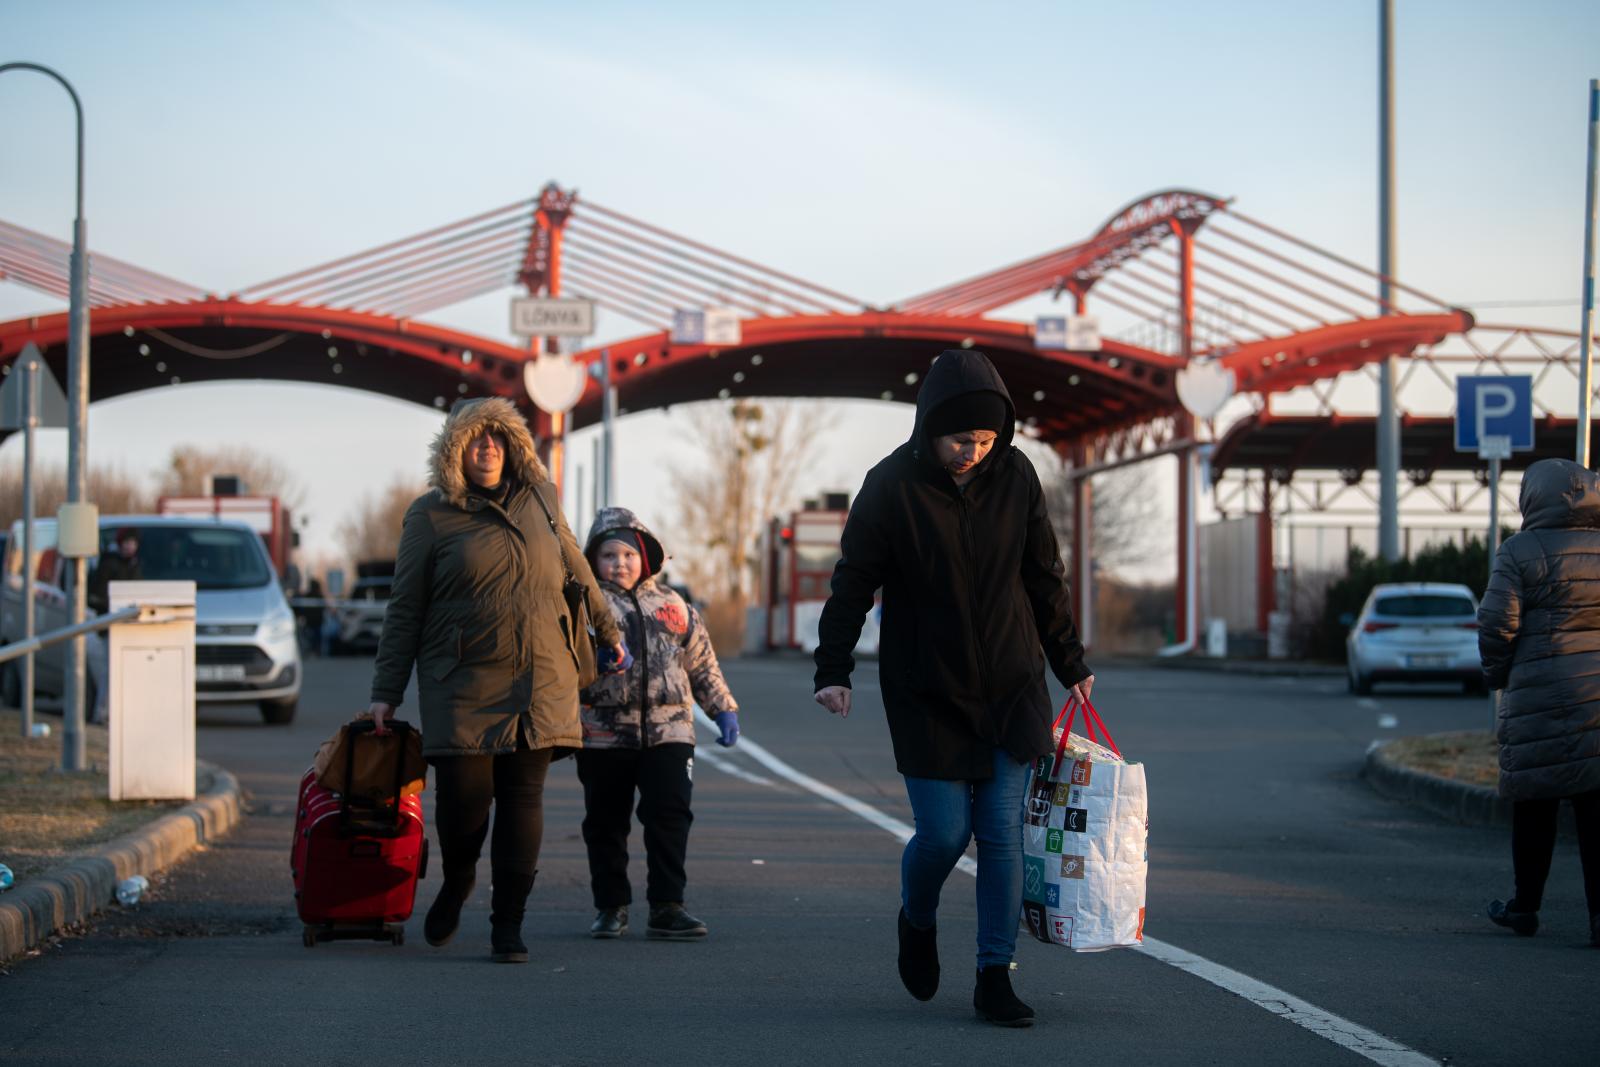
(308, 937)
(398, 937)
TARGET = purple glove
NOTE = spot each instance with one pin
(728, 723)
(606, 660)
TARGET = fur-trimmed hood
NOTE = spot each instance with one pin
(608, 519)
(467, 419)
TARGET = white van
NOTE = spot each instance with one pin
(246, 646)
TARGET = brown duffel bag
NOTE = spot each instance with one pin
(376, 770)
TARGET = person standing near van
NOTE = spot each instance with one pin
(478, 609)
(118, 563)
(1539, 638)
(952, 526)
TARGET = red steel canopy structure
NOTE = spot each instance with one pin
(353, 321)
(1200, 281)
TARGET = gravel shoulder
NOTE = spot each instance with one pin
(49, 816)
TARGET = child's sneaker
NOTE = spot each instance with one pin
(671, 922)
(610, 922)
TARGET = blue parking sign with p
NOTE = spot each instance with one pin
(1494, 406)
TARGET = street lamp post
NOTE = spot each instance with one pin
(72, 740)
(1388, 410)
(1586, 320)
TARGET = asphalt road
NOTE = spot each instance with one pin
(1268, 856)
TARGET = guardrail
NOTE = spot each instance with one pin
(38, 642)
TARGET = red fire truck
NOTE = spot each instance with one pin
(263, 514)
(797, 568)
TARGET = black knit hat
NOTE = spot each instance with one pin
(981, 410)
(633, 539)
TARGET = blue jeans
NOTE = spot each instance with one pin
(949, 814)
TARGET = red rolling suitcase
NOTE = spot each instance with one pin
(356, 867)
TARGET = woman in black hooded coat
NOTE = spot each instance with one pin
(1539, 638)
(952, 527)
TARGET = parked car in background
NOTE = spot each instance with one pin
(1415, 632)
(246, 647)
(361, 614)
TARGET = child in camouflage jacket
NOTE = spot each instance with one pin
(638, 731)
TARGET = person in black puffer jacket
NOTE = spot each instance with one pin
(1539, 638)
(952, 527)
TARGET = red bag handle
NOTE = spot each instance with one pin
(1091, 719)
(1088, 710)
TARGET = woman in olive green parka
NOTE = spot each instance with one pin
(477, 608)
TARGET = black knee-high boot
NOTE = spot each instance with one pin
(445, 915)
(507, 902)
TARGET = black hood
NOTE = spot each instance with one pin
(1559, 494)
(955, 372)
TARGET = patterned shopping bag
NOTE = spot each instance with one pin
(1084, 832)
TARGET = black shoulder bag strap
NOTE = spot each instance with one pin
(577, 598)
(566, 568)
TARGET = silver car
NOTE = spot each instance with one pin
(361, 616)
(246, 648)
(1415, 632)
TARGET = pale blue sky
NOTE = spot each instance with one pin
(878, 148)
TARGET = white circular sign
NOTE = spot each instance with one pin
(1204, 388)
(555, 382)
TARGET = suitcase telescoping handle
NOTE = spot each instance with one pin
(367, 726)
(1091, 718)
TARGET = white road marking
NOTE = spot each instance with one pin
(902, 831)
(728, 767)
(1341, 1031)
(1368, 703)
(1387, 722)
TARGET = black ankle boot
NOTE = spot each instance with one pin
(670, 922)
(994, 1000)
(1525, 923)
(609, 923)
(919, 959)
(507, 902)
(445, 915)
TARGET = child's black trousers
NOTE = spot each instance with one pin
(661, 777)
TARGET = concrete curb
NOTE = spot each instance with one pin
(37, 907)
(1474, 805)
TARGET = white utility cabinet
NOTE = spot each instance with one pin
(151, 695)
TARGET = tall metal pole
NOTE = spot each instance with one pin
(1388, 414)
(30, 420)
(1586, 322)
(72, 740)
(608, 417)
(596, 463)
(1494, 550)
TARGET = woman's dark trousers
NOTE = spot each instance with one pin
(465, 788)
(662, 776)
(1533, 842)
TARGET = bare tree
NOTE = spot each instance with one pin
(372, 529)
(111, 488)
(1128, 514)
(750, 456)
(189, 470)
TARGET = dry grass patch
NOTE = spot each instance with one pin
(46, 814)
(1470, 756)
